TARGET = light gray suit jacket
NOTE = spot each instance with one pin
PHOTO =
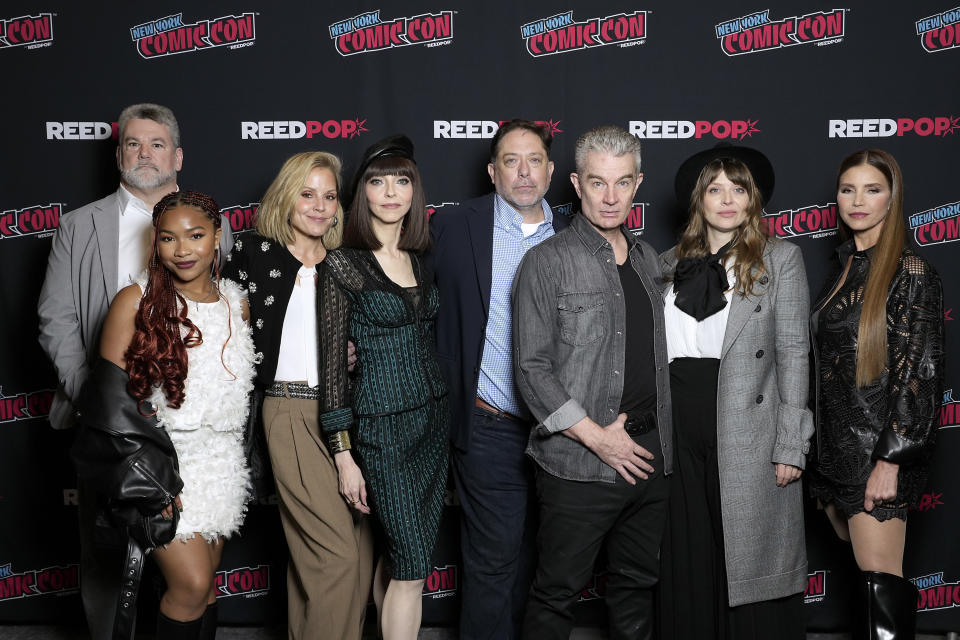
(763, 419)
(81, 282)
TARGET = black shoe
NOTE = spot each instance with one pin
(891, 606)
(168, 629)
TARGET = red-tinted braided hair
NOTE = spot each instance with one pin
(157, 355)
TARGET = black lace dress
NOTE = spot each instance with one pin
(894, 417)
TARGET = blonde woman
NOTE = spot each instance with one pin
(295, 327)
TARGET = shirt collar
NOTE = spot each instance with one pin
(505, 216)
(130, 203)
(592, 239)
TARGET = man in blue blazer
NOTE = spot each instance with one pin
(476, 249)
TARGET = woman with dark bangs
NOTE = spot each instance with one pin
(878, 328)
(180, 332)
(399, 399)
(733, 563)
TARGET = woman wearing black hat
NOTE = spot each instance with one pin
(733, 561)
(878, 329)
(299, 334)
(399, 399)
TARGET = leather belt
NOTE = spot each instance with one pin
(489, 408)
(641, 423)
(301, 390)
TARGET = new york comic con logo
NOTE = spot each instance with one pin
(32, 32)
(934, 593)
(25, 406)
(816, 587)
(814, 221)
(940, 32)
(250, 582)
(562, 34)
(38, 220)
(367, 32)
(38, 582)
(757, 32)
(242, 217)
(937, 225)
(170, 35)
(950, 408)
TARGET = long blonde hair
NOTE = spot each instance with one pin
(749, 240)
(872, 330)
(273, 215)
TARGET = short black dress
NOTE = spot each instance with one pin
(894, 417)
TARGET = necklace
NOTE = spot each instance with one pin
(206, 297)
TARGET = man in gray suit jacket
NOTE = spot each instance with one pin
(100, 247)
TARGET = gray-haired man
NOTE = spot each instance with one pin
(591, 364)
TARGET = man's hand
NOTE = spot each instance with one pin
(881, 485)
(614, 446)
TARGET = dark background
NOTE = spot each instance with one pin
(88, 68)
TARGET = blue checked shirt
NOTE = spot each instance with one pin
(495, 384)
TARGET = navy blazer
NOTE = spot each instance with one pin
(462, 263)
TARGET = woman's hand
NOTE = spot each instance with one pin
(787, 473)
(881, 485)
(352, 486)
(167, 511)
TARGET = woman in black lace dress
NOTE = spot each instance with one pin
(878, 327)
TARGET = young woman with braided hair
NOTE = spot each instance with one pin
(181, 335)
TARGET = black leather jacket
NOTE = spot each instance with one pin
(128, 464)
(895, 417)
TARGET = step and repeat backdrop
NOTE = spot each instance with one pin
(253, 82)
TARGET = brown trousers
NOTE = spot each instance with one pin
(331, 547)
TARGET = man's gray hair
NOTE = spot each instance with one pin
(607, 139)
(148, 111)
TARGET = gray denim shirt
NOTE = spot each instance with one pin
(569, 341)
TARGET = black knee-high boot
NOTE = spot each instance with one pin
(168, 629)
(208, 628)
(891, 606)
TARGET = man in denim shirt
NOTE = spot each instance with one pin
(591, 364)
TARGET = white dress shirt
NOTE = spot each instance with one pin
(136, 237)
(298, 342)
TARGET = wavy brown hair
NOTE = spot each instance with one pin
(884, 261)
(749, 240)
(157, 355)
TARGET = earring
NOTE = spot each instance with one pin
(336, 221)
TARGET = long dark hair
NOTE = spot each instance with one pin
(157, 355)
(416, 233)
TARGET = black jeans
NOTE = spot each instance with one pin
(576, 518)
(497, 528)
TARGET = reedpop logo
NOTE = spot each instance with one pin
(482, 129)
(681, 129)
(940, 32)
(32, 32)
(756, 32)
(562, 34)
(367, 32)
(887, 127)
(170, 35)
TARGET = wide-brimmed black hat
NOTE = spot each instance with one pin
(395, 146)
(689, 171)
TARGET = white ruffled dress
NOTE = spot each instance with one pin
(207, 429)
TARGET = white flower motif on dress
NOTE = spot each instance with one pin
(274, 273)
(259, 323)
(238, 244)
(258, 357)
(243, 274)
(252, 287)
(268, 301)
(264, 246)
(229, 256)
